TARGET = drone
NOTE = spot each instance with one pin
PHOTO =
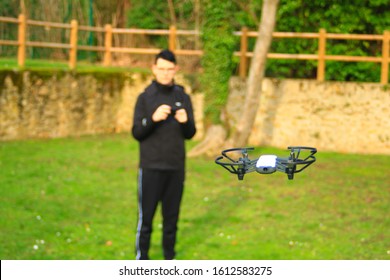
(267, 164)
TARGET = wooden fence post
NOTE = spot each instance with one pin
(243, 50)
(321, 55)
(21, 40)
(73, 44)
(107, 45)
(385, 57)
(172, 38)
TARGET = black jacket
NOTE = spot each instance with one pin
(162, 143)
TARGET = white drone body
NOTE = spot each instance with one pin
(266, 164)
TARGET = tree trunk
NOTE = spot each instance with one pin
(215, 140)
(256, 73)
(212, 144)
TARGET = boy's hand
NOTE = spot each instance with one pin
(181, 116)
(161, 113)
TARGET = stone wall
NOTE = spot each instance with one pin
(332, 116)
(35, 105)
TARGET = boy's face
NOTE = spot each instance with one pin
(164, 71)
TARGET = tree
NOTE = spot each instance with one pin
(216, 134)
(256, 74)
(218, 48)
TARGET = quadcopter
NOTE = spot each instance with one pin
(267, 164)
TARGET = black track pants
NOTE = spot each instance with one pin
(155, 186)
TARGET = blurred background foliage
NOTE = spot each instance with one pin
(212, 17)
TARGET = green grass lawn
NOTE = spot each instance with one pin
(76, 198)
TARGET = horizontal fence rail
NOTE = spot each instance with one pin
(172, 33)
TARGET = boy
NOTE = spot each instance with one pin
(163, 119)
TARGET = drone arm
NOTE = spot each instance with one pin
(289, 165)
(286, 166)
(237, 167)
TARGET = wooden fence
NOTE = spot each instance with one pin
(321, 57)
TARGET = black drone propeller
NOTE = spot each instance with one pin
(266, 164)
